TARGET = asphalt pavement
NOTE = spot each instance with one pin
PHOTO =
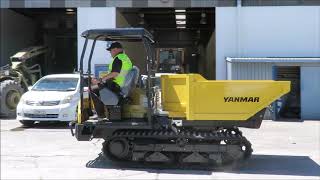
(282, 150)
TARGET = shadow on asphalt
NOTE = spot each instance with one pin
(281, 165)
(258, 164)
(44, 125)
(104, 163)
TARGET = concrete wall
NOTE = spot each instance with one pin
(93, 18)
(266, 32)
(135, 50)
(17, 32)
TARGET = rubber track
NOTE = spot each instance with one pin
(191, 135)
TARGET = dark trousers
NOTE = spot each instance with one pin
(98, 104)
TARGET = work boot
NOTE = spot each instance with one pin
(103, 119)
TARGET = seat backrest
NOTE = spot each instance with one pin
(130, 82)
(108, 97)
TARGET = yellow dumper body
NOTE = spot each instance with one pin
(192, 97)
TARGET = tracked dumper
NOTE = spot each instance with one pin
(184, 120)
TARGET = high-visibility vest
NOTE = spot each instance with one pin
(126, 67)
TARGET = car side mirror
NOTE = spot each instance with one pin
(29, 88)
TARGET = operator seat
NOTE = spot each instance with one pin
(110, 98)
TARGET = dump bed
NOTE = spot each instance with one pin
(192, 97)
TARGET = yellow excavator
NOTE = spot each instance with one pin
(180, 119)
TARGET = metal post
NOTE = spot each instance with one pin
(89, 69)
(275, 114)
(82, 56)
(149, 59)
(90, 56)
(81, 74)
(89, 63)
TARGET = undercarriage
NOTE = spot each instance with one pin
(183, 148)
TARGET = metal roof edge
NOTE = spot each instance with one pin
(127, 31)
(273, 59)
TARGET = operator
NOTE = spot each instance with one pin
(114, 80)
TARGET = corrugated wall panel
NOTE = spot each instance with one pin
(251, 71)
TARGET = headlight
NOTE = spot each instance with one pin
(67, 99)
(22, 100)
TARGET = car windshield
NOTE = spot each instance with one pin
(56, 84)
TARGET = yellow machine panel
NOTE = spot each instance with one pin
(193, 97)
(136, 108)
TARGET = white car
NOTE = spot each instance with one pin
(52, 98)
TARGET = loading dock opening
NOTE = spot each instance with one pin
(187, 30)
(290, 105)
(55, 28)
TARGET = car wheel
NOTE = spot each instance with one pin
(27, 123)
